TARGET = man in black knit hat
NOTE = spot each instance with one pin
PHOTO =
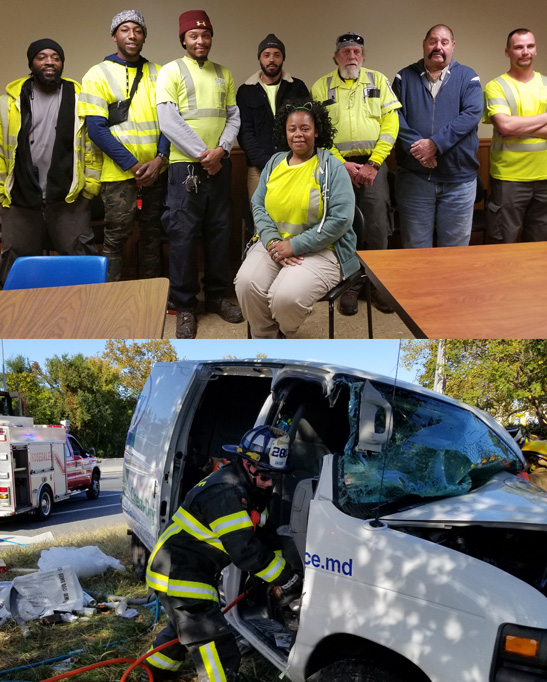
(48, 167)
(258, 100)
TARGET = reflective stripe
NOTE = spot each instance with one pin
(390, 103)
(509, 95)
(496, 102)
(93, 99)
(500, 146)
(355, 144)
(289, 229)
(273, 569)
(193, 527)
(126, 138)
(115, 87)
(92, 173)
(191, 99)
(370, 76)
(386, 137)
(314, 205)
(163, 662)
(137, 125)
(211, 663)
(203, 113)
(232, 522)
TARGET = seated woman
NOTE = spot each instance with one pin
(303, 209)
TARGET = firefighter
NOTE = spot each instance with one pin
(216, 526)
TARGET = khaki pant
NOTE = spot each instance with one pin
(253, 178)
(274, 298)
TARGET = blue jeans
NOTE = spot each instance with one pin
(424, 204)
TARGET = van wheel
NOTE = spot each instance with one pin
(45, 504)
(94, 489)
(353, 670)
(139, 557)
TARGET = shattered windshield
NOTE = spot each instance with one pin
(405, 444)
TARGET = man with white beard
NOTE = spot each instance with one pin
(363, 109)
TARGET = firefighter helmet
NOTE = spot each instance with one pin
(267, 447)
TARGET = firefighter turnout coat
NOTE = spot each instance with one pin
(212, 529)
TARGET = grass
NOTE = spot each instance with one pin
(104, 636)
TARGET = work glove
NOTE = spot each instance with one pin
(290, 593)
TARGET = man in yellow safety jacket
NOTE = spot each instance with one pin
(362, 107)
(118, 100)
(197, 111)
(49, 169)
(516, 104)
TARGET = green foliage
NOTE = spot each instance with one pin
(133, 361)
(504, 377)
(23, 377)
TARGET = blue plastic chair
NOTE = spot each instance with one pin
(38, 272)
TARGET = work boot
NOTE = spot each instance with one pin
(348, 302)
(224, 308)
(187, 325)
(380, 302)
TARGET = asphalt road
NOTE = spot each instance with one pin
(72, 516)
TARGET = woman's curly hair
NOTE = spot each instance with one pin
(323, 125)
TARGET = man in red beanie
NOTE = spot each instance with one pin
(197, 112)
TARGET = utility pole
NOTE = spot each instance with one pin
(3, 366)
(439, 384)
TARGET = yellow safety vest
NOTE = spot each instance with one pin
(106, 83)
(518, 159)
(201, 94)
(359, 113)
(87, 157)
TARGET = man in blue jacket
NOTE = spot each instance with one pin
(437, 145)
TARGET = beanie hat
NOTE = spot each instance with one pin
(271, 41)
(194, 18)
(44, 44)
(128, 15)
(349, 39)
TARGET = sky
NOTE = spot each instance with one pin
(379, 356)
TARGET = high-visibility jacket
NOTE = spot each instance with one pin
(110, 82)
(518, 159)
(212, 529)
(87, 157)
(363, 113)
(201, 94)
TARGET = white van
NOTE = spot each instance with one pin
(424, 555)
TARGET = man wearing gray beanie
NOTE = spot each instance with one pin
(258, 99)
(119, 102)
(48, 168)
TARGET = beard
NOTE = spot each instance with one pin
(53, 79)
(270, 73)
(349, 72)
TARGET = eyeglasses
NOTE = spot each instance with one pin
(264, 476)
(350, 38)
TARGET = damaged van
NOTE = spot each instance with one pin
(424, 554)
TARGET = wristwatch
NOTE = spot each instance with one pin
(374, 164)
(163, 157)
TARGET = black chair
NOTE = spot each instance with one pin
(335, 293)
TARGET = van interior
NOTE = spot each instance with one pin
(317, 424)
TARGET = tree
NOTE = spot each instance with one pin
(503, 377)
(133, 361)
(23, 376)
(87, 392)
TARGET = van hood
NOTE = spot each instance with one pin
(506, 501)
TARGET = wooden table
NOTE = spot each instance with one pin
(134, 309)
(492, 291)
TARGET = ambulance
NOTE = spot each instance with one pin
(42, 465)
(424, 554)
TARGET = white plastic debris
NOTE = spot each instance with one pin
(86, 561)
